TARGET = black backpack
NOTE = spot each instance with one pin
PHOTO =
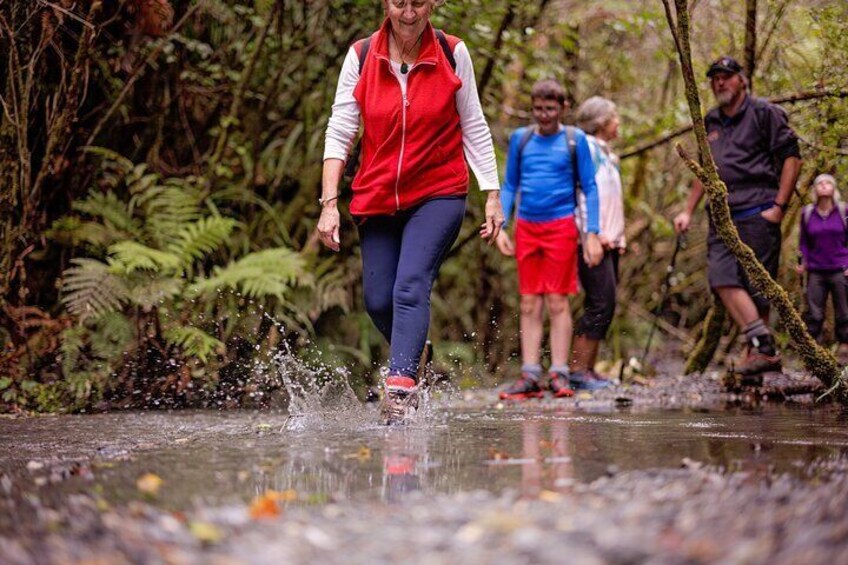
(353, 161)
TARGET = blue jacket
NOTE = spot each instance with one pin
(547, 179)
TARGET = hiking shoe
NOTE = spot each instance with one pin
(558, 383)
(762, 357)
(756, 363)
(525, 387)
(587, 380)
(400, 400)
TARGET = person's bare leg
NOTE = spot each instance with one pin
(739, 304)
(584, 353)
(559, 311)
(531, 325)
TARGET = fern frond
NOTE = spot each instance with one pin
(73, 340)
(197, 240)
(332, 289)
(112, 158)
(268, 273)
(169, 208)
(193, 341)
(92, 289)
(72, 231)
(152, 291)
(126, 257)
(111, 334)
(114, 213)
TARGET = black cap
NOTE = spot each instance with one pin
(724, 65)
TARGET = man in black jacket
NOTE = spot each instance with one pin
(758, 158)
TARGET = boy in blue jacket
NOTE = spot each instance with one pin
(544, 165)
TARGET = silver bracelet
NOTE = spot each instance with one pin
(322, 201)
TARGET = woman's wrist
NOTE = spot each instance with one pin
(329, 201)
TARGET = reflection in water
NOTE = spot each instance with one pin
(233, 457)
(405, 458)
(546, 462)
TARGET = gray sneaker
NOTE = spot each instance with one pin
(400, 400)
(587, 380)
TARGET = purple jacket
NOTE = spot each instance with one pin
(823, 241)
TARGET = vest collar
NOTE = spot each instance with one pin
(427, 53)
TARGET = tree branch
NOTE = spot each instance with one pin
(802, 96)
(820, 362)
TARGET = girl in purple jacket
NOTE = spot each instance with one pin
(824, 256)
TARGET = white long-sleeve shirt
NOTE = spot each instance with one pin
(476, 135)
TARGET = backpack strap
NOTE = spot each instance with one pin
(571, 138)
(446, 48)
(841, 208)
(806, 213)
(362, 46)
(525, 139)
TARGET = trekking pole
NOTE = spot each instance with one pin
(633, 362)
(678, 245)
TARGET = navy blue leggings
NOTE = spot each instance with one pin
(401, 255)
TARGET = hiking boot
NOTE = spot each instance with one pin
(400, 400)
(762, 357)
(587, 380)
(558, 384)
(525, 387)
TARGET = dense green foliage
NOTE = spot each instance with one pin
(160, 162)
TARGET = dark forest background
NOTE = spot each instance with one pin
(160, 163)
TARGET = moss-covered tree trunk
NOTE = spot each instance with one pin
(817, 360)
(710, 336)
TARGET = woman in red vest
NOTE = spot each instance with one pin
(413, 88)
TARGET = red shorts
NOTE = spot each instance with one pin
(547, 256)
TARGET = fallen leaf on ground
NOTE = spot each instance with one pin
(549, 496)
(282, 496)
(205, 532)
(264, 507)
(149, 483)
(363, 454)
(497, 455)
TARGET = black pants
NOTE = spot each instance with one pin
(599, 283)
(819, 285)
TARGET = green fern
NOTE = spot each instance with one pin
(111, 157)
(193, 341)
(92, 289)
(115, 213)
(149, 290)
(73, 340)
(168, 208)
(126, 257)
(111, 333)
(268, 273)
(73, 231)
(197, 240)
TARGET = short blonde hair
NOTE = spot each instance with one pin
(595, 113)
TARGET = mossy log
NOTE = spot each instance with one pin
(710, 336)
(817, 360)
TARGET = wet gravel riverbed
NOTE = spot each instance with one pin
(677, 473)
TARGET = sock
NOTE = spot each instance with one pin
(532, 371)
(759, 336)
(560, 369)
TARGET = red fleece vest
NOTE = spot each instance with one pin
(412, 148)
